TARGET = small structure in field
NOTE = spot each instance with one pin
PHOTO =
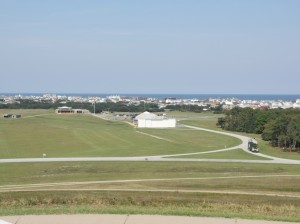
(64, 110)
(69, 110)
(150, 120)
(12, 116)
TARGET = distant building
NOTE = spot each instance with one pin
(69, 110)
(64, 110)
(150, 120)
(172, 100)
(297, 104)
(12, 116)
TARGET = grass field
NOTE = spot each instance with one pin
(26, 173)
(85, 135)
(255, 191)
(203, 120)
(264, 180)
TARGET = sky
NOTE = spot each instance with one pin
(157, 46)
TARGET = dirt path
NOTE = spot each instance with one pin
(80, 186)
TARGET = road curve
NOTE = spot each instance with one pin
(244, 144)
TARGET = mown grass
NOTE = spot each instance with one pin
(26, 112)
(85, 135)
(205, 120)
(201, 140)
(187, 204)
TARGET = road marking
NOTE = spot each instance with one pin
(154, 136)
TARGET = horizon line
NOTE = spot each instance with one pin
(114, 93)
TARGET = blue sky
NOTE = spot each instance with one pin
(157, 46)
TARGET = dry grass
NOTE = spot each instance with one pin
(196, 204)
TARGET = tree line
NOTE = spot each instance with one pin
(99, 107)
(107, 106)
(280, 127)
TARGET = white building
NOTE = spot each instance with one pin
(297, 104)
(149, 120)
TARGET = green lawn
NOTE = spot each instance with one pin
(85, 135)
(26, 112)
(206, 120)
(189, 138)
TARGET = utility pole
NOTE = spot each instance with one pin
(94, 107)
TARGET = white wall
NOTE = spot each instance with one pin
(164, 123)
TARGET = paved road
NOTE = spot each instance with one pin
(125, 219)
(168, 158)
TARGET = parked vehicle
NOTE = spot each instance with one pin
(252, 145)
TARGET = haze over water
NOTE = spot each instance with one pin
(285, 97)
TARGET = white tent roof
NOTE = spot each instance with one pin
(146, 115)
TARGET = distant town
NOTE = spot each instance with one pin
(206, 104)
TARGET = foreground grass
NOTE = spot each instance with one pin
(27, 173)
(187, 204)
